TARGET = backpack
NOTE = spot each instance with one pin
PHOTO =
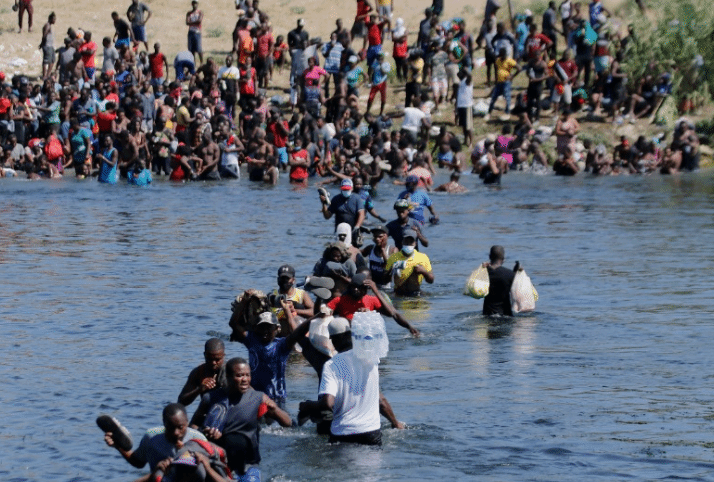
(53, 149)
(590, 35)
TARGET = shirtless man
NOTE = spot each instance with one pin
(210, 154)
(453, 186)
(47, 45)
(206, 376)
(129, 152)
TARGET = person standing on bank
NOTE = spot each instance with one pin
(498, 299)
(194, 18)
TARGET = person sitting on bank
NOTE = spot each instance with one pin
(498, 299)
(409, 268)
(159, 445)
(206, 376)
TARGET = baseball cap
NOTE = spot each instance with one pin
(358, 279)
(286, 270)
(346, 185)
(268, 317)
(338, 326)
(381, 228)
(353, 59)
(402, 204)
(301, 22)
(408, 234)
(185, 459)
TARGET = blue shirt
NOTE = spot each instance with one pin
(346, 209)
(154, 447)
(267, 365)
(333, 56)
(107, 173)
(380, 72)
(418, 200)
(367, 198)
(143, 179)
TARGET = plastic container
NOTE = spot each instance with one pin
(369, 336)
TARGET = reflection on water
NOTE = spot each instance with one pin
(109, 293)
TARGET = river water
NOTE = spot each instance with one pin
(108, 293)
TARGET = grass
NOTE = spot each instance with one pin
(216, 32)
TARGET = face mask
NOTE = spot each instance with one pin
(408, 250)
(346, 193)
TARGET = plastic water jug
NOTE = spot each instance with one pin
(369, 336)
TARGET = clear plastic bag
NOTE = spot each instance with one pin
(477, 285)
(523, 293)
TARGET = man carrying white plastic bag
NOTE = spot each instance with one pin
(350, 382)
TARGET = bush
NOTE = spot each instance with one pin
(680, 42)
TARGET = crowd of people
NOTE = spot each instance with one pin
(221, 442)
(124, 119)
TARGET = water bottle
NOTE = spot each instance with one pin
(369, 336)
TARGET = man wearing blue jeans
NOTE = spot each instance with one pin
(506, 70)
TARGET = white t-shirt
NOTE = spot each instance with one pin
(465, 96)
(355, 386)
(412, 119)
(231, 72)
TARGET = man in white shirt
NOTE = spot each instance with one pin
(464, 105)
(414, 120)
(350, 388)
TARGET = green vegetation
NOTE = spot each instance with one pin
(680, 37)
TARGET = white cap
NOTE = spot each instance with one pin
(338, 326)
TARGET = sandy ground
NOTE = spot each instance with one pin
(167, 24)
(19, 51)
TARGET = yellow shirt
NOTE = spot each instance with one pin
(503, 68)
(416, 259)
(416, 69)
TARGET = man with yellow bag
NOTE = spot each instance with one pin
(409, 268)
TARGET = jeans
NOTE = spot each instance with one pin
(501, 89)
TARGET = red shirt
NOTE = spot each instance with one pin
(104, 121)
(400, 49)
(299, 173)
(534, 44)
(347, 306)
(5, 104)
(247, 85)
(279, 140)
(374, 33)
(569, 67)
(156, 62)
(88, 58)
(362, 8)
(264, 43)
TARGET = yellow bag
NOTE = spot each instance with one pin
(477, 285)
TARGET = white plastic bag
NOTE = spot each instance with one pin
(477, 285)
(320, 337)
(523, 293)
